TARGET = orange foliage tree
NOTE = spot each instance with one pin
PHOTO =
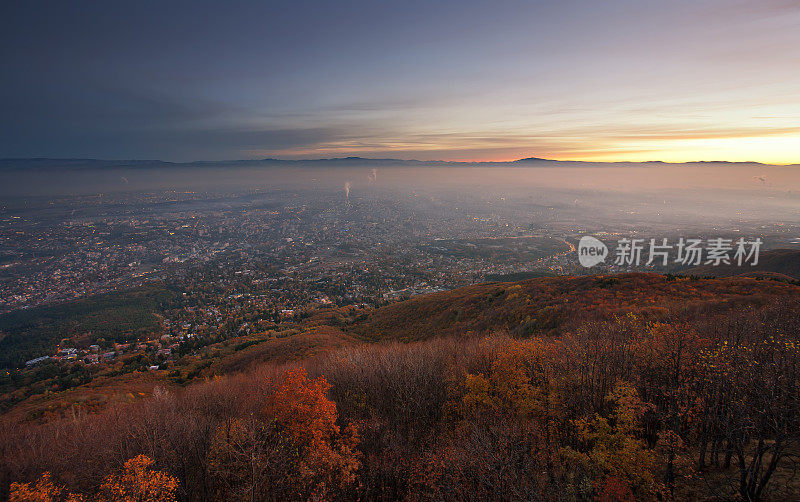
(294, 450)
(303, 412)
(136, 483)
(43, 490)
(139, 483)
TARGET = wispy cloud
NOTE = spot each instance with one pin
(609, 80)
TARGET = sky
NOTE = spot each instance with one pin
(607, 80)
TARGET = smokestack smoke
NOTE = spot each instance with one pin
(347, 190)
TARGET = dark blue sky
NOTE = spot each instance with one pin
(618, 79)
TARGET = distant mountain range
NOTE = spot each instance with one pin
(47, 163)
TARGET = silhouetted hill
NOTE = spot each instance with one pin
(776, 264)
(555, 305)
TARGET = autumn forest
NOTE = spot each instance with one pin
(634, 387)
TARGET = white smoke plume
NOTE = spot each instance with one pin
(373, 176)
(347, 190)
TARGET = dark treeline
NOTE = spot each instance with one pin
(622, 409)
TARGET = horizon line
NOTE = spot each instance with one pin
(387, 159)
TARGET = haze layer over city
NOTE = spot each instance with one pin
(136, 219)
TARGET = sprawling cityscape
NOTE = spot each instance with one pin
(244, 261)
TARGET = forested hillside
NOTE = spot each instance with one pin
(557, 305)
(780, 262)
(629, 387)
(118, 316)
